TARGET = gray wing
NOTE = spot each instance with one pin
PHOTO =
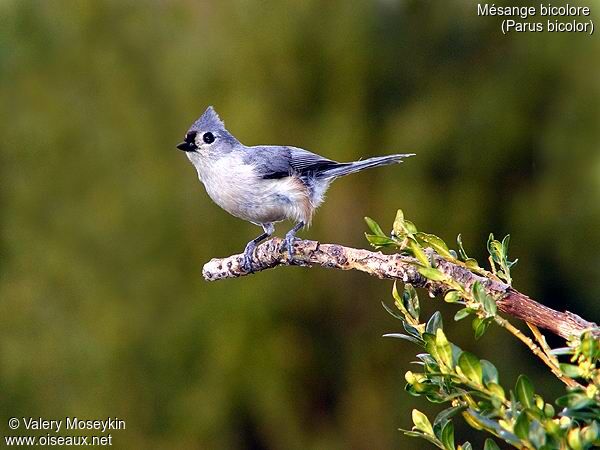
(269, 161)
(281, 161)
(306, 162)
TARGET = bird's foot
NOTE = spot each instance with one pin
(290, 237)
(248, 252)
(288, 244)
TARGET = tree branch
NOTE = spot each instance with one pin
(400, 267)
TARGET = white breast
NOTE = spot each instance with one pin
(236, 187)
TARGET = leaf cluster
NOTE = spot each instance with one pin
(406, 238)
(448, 374)
(519, 416)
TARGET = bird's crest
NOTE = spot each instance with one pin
(210, 120)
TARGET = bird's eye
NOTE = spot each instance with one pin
(209, 138)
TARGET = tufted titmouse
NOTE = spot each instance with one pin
(266, 183)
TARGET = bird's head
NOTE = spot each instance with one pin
(207, 137)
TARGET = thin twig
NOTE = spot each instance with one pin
(539, 337)
(537, 351)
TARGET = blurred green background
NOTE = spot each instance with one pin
(105, 227)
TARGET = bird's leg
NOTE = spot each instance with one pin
(249, 250)
(289, 238)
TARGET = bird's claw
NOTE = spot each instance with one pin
(288, 244)
(247, 263)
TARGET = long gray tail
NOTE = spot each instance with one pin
(348, 168)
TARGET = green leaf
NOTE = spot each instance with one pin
(419, 435)
(513, 397)
(421, 422)
(493, 247)
(418, 253)
(432, 274)
(499, 255)
(490, 373)
(448, 436)
(549, 411)
(410, 227)
(561, 351)
(426, 358)
(431, 439)
(452, 297)
(473, 419)
(570, 370)
(462, 313)
(574, 440)
(505, 242)
(434, 322)
(489, 305)
(443, 347)
(506, 263)
(391, 311)
(490, 444)
(471, 367)
(472, 263)
(436, 396)
(418, 389)
(478, 292)
(374, 227)
(408, 303)
(574, 401)
(430, 345)
(379, 241)
(467, 446)
(590, 346)
(412, 330)
(398, 226)
(437, 244)
(521, 427)
(398, 301)
(591, 434)
(412, 433)
(536, 411)
(395, 292)
(537, 434)
(405, 337)
(456, 352)
(524, 391)
(480, 325)
(497, 390)
(410, 299)
(486, 422)
(447, 414)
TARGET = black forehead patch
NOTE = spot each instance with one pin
(190, 137)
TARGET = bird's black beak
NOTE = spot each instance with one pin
(186, 146)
